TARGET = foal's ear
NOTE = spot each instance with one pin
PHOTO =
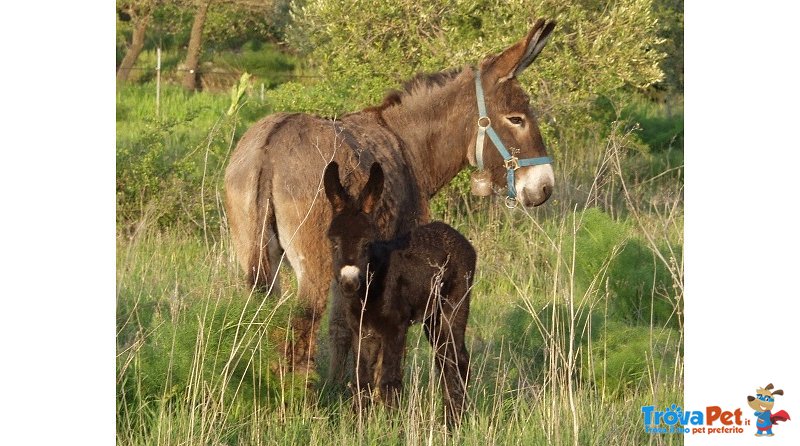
(372, 190)
(516, 58)
(333, 187)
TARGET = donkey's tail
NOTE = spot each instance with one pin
(249, 207)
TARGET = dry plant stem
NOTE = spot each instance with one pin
(359, 391)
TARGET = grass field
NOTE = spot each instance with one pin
(576, 317)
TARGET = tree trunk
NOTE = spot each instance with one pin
(195, 44)
(137, 44)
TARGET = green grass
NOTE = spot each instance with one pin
(163, 160)
(265, 62)
(269, 66)
(181, 304)
(576, 317)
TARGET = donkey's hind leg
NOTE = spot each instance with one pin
(266, 257)
(251, 219)
(308, 254)
(312, 292)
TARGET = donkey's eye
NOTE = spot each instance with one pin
(515, 120)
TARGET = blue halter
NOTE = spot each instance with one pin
(511, 163)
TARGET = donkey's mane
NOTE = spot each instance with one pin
(418, 82)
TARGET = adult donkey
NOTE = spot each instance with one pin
(422, 136)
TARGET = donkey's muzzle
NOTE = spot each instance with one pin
(349, 286)
(534, 184)
(350, 279)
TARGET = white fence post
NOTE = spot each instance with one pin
(158, 82)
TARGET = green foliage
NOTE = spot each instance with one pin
(450, 196)
(320, 98)
(659, 130)
(627, 357)
(176, 342)
(597, 48)
(165, 164)
(229, 25)
(237, 92)
(670, 23)
(264, 61)
(205, 335)
(611, 259)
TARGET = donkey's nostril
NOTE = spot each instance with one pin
(546, 191)
(349, 286)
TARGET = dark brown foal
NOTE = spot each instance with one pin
(386, 285)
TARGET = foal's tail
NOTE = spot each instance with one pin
(249, 207)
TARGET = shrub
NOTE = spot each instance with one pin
(610, 258)
(626, 357)
(174, 163)
(597, 49)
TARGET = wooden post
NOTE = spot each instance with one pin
(158, 82)
(262, 92)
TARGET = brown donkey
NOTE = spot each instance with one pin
(422, 136)
(424, 275)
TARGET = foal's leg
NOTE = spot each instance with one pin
(391, 380)
(445, 331)
(339, 335)
(367, 353)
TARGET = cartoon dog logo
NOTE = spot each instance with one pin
(762, 403)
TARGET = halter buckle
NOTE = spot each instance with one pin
(511, 163)
(488, 121)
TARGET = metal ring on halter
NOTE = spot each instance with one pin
(511, 202)
(511, 163)
(488, 121)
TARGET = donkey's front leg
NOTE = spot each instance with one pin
(339, 336)
(391, 380)
(367, 353)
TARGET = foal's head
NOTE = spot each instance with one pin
(353, 228)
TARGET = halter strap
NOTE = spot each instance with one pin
(511, 163)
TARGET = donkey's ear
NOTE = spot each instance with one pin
(372, 190)
(333, 187)
(511, 62)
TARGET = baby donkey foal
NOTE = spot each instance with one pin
(386, 285)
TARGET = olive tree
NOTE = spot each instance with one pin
(360, 50)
